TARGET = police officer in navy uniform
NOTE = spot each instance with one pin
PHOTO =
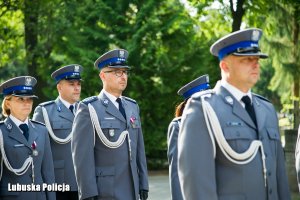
(229, 143)
(199, 84)
(26, 158)
(58, 115)
(107, 144)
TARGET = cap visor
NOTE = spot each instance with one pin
(261, 55)
(70, 79)
(25, 95)
(118, 66)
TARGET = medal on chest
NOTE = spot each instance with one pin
(111, 132)
(133, 121)
(34, 149)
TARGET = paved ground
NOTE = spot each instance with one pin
(159, 186)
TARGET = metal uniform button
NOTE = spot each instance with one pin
(269, 173)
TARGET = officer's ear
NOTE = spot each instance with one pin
(224, 65)
(102, 75)
(58, 86)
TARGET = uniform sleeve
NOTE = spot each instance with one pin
(82, 146)
(48, 167)
(38, 114)
(281, 176)
(172, 153)
(141, 162)
(196, 162)
(282, 181)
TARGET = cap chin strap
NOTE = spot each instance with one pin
(215, 131)
(102, 137)
(20, 171)
(51, 133)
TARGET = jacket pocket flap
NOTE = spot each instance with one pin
(273, 133)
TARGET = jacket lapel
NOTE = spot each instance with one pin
(110, 107)
(237, 108)
(260, 113)
(64, 112)
(15, 133)
(32, 133)
(239, 111)
(127, 111)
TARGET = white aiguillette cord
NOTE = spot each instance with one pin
(101, 135)
(51, 133)
(20, 171)
(215, 131)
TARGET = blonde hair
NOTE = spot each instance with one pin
(179, 108)
(5, 109)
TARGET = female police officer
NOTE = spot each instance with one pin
(25, 147)
(199, 84)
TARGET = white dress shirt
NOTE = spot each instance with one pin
(238, 94)
(112, 98)
(17, 121)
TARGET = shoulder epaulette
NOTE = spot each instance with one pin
(47, 103)
(261, 97)
(37, 122)
(131, 100)
(89, 100)
(201, 93)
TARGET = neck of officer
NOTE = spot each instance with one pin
(241, 87)
(237, 84)
(19, 119)
(117, 94)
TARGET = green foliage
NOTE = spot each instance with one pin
(283, 36)
(11, 42)
(164, 58)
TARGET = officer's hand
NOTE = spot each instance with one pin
(143, 194)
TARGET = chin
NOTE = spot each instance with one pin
(122, 88)
(76, 99)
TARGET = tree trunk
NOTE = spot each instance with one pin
(237, 15)
(31, 16)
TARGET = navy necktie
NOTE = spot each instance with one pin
(71, 108)
(249, 108)
(24, 128)
(121, 108)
